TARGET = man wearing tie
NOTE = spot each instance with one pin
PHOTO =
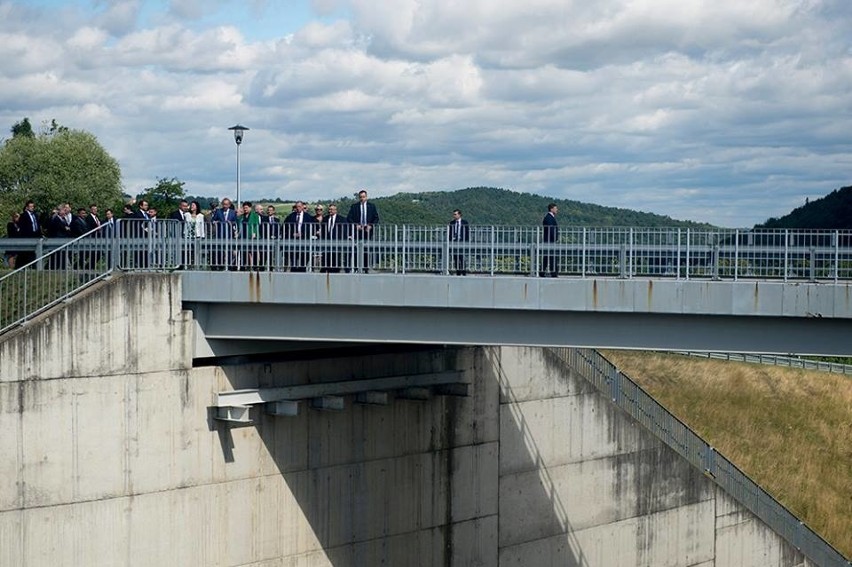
(550, 263)
(225, 222)
(458, 231)
(335, 229)
(363, 216)
(28, 227)
(295, 228)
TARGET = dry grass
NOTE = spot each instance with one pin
(790, 430)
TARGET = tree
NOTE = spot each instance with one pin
(164, 196)
(57, 165)
(23, 128)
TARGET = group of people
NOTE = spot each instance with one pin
(250, 222)
(61, 223)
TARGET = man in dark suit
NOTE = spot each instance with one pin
(225, 223)
(297, 230)
(28, 227)
(59, 227)
(550, 261)
(458, 231)
(180, 214)
(335, 230)
(93, 221)
(363, 215)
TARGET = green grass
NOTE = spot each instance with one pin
(789, 429)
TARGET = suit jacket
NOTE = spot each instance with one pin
(25, 225)
(178, 216)
(79, 227)
(93, 222)
(59, 227)
(354, 216)
(551, 228)
(458, 233)
(291, 225)
(225, 222)
(338, 230)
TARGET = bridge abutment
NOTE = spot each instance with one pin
(113, 457)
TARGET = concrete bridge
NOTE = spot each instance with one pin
(267, 418)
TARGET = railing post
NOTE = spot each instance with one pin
(40, 253)
(622, 260)
(812, 259)
(445, 260)
(688, 241)
(583, 255)
(836, 255)
(493, 246)
(786, 253)
(736, 254)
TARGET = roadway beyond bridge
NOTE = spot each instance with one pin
(248, 312)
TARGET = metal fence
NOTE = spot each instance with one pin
(488, 250)
(53, 277)
(772, 360)
(631, 398)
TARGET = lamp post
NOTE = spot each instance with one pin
(239, 130)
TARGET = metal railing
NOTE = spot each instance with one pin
(63, 267)
(815, 255)
(631, 398)
(772, 360)
(48, 279)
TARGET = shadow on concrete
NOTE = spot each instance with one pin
(424, 482)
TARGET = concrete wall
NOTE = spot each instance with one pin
(617, 495)
(110, 457)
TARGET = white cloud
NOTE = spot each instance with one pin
(722, 111)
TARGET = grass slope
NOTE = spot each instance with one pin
(789, 429)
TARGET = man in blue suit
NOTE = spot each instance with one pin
(550, 261)
(225, 225)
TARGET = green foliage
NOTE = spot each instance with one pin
(834, 211)
(492, 206)
(56, 165)
(164, 196)
(23, 128)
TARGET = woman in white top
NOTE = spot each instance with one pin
(195, 221)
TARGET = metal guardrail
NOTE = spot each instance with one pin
(53, 277)
(490, 250)
(631, 398)
(772, 360)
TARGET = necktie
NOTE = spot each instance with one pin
(364, 213)
(458, 229)
(34, 220)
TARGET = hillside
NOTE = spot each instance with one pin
(489, 205)
(789, 429)
(834, 211)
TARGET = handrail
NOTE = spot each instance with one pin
(673, 253)
(53, 277)
(771, 360)
(631, 398)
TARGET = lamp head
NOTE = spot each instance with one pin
(239, 131)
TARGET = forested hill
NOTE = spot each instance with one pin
(488, 205)
(833, 211)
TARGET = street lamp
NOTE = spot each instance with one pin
(239, 130)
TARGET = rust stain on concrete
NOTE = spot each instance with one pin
(650, 294)
(595, 294)
(254, 287)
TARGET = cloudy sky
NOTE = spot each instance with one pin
(723, 111)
